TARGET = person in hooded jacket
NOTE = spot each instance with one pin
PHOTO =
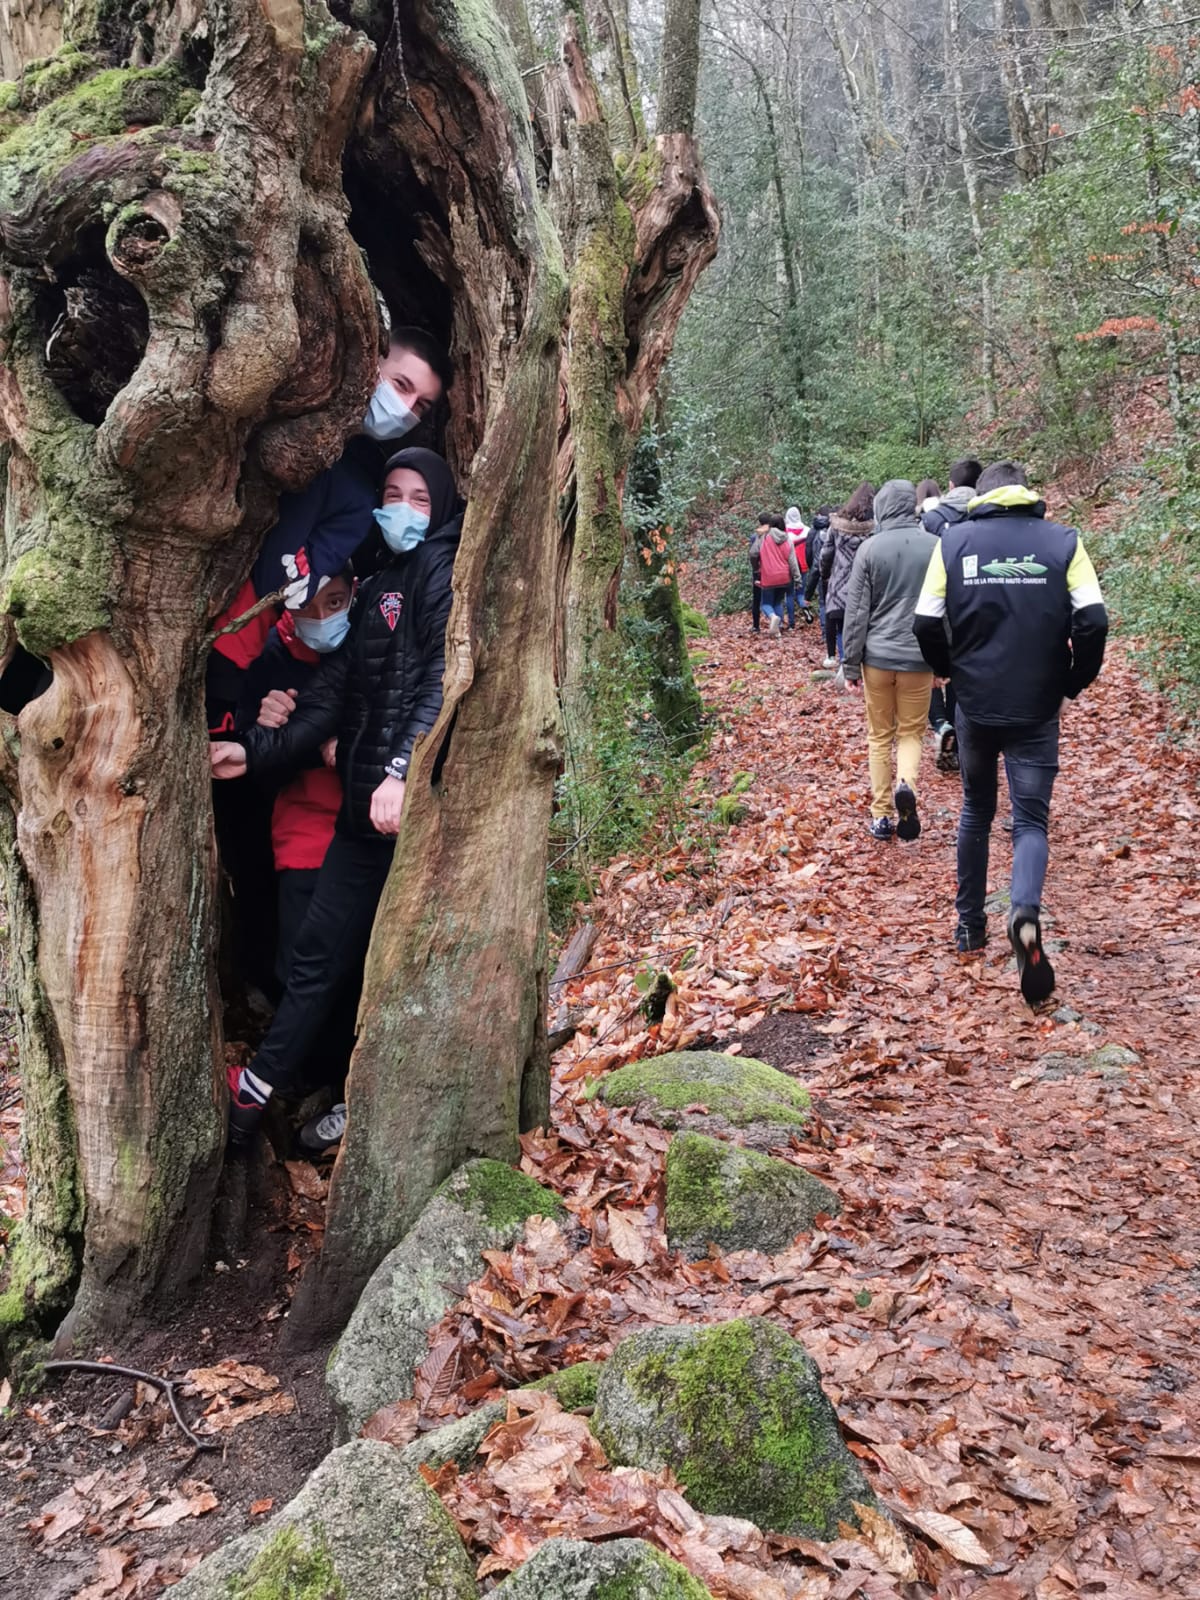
(814, 584)
(951, 508)
(779, 570)
(847, 530)
(1011, 612)
(878, 645)
(375, 695)
(793, 522)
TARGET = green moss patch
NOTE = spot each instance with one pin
(625, 1569)
(737, 1089)
(289, 1568)
(574, 1387)
(103, 106)
(738, 1413)
(500, 1194)
(737, 1199)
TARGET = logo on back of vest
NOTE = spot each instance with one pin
(970, 566)
(390, 606)
(1015, 567)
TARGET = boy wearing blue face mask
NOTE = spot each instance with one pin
(375, 695)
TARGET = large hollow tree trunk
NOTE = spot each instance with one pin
(152, 219)
(452, 1059)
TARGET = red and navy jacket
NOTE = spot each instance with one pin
(306, 807)
(319, 529)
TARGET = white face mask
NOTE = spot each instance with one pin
(387, 415)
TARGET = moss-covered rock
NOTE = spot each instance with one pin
(729, 811)
(738, 1199)
(625, 1569)
(738, 1413)
(481, 1206)
(734, 1092)
(574, 1388)
(365, 1526)
(1109, 1061)
(695, 623)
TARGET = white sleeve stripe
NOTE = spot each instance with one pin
(933, 605)
(1087, 594)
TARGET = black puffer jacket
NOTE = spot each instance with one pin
(381, 689)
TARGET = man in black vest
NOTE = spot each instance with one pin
(1012, 614)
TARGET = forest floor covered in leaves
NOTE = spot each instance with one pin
(1006, 1311)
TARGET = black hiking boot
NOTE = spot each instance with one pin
(1033, 964)
(909, 825)
(967, 939)
(246, 1112)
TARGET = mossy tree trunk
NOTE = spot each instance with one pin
(174, 226)
(172, 238)
(639, 229)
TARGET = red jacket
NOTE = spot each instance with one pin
(305, 809)
(776, 569)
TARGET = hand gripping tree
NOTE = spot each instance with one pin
(186, 328)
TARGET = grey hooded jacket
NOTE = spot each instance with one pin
(952, 507)
(885, 583)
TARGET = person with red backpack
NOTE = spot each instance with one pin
(779, 569)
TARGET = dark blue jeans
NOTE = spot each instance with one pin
(1030, 754)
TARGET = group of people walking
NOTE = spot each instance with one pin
(973, 612)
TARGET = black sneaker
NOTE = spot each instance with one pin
(909, 825)
(320, 1133)
(945, 748)
(245, 1114)
(967, 939)
(881, 828)
(1033, 964)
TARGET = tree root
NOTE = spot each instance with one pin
(166, 1385)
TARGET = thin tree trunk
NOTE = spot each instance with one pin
(970, 171)
(679, 67)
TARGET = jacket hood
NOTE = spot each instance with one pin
(779, 535)
(792, 518)
(847, 525)
(444, 502)
(958, 498)
(1009, 497)
(896, 505)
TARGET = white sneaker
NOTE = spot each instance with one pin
(773, 630)
(830, 663)
(318, 1133)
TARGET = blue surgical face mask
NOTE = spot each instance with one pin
(387, 415)
(403, 526)
(323, 634)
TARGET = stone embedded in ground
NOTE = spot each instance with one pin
(737, 1199)
(733, 1092)
(481, 1206)
(622, 1569)
(459, 1441)
(1110, 1061)
(736, 1410)
(364, 1527)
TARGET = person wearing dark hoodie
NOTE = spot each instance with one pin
(847, 530)
(1011, 612)
(779, 569)
(878, 645)
(952, 507)
(376, 695)
(814, 584)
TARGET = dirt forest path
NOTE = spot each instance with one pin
(1007, 1311)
